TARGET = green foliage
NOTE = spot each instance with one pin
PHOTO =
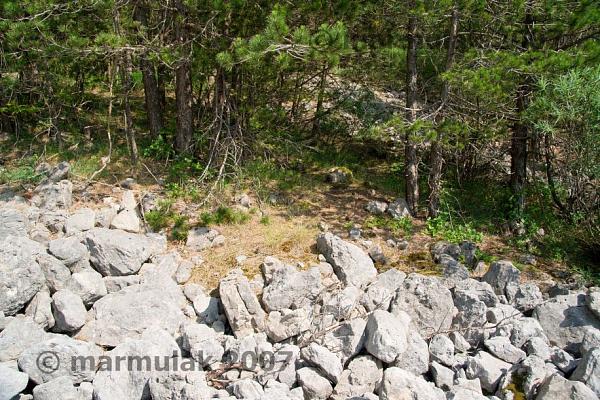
(445, 226)
(23, 172)
(398, 226)
(224, 215)
(265, 220)
(180, 229)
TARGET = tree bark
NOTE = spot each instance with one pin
(437, 156)
(411, 166)
(183, 91)
(151, 92)
(520, 131)
(126, 72)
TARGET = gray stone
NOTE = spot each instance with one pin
(40, 309)
(399, 209)
(556, 387)
(83, 219)
(487, 368)
(323, 359)
(380, 293)
(53, 195)
(461, 345)
(12, 382)
(201, 343)
(315, 386)
(500, 274)
(56, 273)
(441, 248)
(428, 303)
(538, 347)
(105, 215)
(385, 336)
(68, 310)
(593, 301)
(59, 388)
(502, 348)
(588, 371)
(442, 376)
(128, 312)
(20, 277)
(347, 340)
(441, 349)
(350, 263)
(400, 384)
(116, 283)
(283, 366)
(126, 220)
(564, 319)
(341, 305)
(128, 201)
(54, 220)
(59, 172)
(415, 358)
(88, 285)
(243, 311)
(563, 360)
(363, 375)
(524, 329)
(201, 238)
(376, 207)
(524, 297)
(184, 272)
(377, 255)
(40, 234)
(281, 325)
(115, 252)
(59, 356)
(12, 222)
(18, 335)
(591, 340)
(289, 288)
(69, 250)
(456, 271)
(247, 389)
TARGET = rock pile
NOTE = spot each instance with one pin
(91, 289)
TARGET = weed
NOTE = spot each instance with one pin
(180, 229)
(24, 172)
(445, 227)
(401, 226)
(224, 215)
(265, 220)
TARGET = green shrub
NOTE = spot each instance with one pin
(224, 215)
(401, 226)
(445, 227)
(180, 229)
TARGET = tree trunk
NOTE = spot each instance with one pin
(126, 71)
(520, 131)
(411, 167)
(183, 92)
(437, 156)
(151, 93)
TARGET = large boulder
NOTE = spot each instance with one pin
(115, 252)
(20, 277)
(400, 384)
(323, 359)
(59, 388)
(316, 387)
(386, 335)
(12, 222)
(127, 313)
(488, 369)
(87, 284)
(380, 293)
(427, 301)
(18, 335)
(81, 220)
(69, 250)
(68, 310)
(350, 263)
(415, 358)
(565, 319)
(588, 370)
(363, 375)
(500, 274)
(40, 309)
(347, 339)
(593, 300)
(243, 311)
(288, 287)
(399, 209)
(59, 356)
(12, 382)
(56, 273)
(556, 387)
(53, 195)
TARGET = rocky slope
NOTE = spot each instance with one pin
(81, 290)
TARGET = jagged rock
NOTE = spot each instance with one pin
(69, 250)
(444, 248)
(593, 301)
(352, 265)
(363, 375)
(56, 273)
(456, 271)
(537, 346)
(591, 340)
(128, 201)
(502, 348)
(469, 253)
(376, 254)
(354, 233)
(427, 301)
(283, 366)
(128, 312)
(415, 358)
(289, 288)
(184, 272)
(54, 220)
(18, 335)
(201, 238)
(315, 386)
(441, 349)
(524, 297)
(81, 220)
(380, 293)
(588, 370)
(461, 345)
(341, 305)
(557, 387)
(22, 244)
(247, 389)
(127, 220)
(105, 216)
(40, 309)
(400, 384)
(323, 359)
(564, 319)
(385, 336)
(59, 172)
(243, 311)
(87, 284)
(460, 393)
(347, 340)
(376, 207)
(399, 209)
(500, 274)
(180, 385)
(68, 310)
(339, 176)
(59, 388)
(442, 376)
(20, 278)
(39, 233)
(205, 306)
(53, 195)
(487, 368)
(116, 283)
(12, 382)
(524, 329)
(502, 314)
(284, 324)
(563, 360)
(59, 356)
(12, 222)
(115, 252)
(201, 343)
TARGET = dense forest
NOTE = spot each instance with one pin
(482, 112)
